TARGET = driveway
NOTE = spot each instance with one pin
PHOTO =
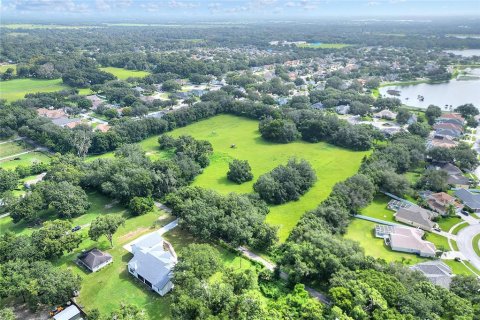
(160, 231)
(465, 245)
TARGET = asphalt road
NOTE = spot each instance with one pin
(465, 245)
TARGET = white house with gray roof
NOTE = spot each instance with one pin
(153, 261)
(436, 271)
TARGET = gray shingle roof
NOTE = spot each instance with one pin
(93, 258)
(417, 215)
(436, 271)
(471, 200)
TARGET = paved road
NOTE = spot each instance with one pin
(12, 140)
(465, 245)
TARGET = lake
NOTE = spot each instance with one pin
(454, 92)
(465, 53)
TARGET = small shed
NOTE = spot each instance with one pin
(94, 259)
(70, 313)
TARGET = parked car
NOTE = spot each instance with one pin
(465, 213)
(74, 229)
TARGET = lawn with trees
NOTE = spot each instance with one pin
(330, 163)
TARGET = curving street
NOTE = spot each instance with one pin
(465, 245)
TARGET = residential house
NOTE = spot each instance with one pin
(385, 114)
(417, 217)
(51, 113)
(469, 199)
(153, 261)
(66, 122)
(343, 109)
(94, 259)
(69, 313)
(436, 272)
(442, 142)
(96, 101)
(455, 175)
(441, 202)
(405, 239)
(454, 118)
(103, 127)
(29, 183)
(318, 106)
(412, 119)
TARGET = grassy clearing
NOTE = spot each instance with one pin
(362, 231)
(378, 209)
(85, 91)
(25, 160)
(124, 74)
(12, 148)
(4, 67)
(99, 205)
(323, 45)
(331, 164)
(17, 89)
(448, 222)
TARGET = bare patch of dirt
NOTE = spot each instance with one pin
(132, 234)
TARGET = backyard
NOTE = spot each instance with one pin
(362, 231)
(331, 164)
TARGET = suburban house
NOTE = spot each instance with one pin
(153, 261)
(66, 122)
(94, 259)
(405, 239)
(96, 101)
(69, 313)
(385, 114)
(448, 126)
(417, 217)
(455, 175)
(441, 142)
(343, 109)
(436, 271)
(51, 113)
(441, 202)
(469, 199)
(454, 118)
(318, 106)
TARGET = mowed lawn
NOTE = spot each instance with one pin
(11, 148)
(362, 231)
(378, 209)
(24, 159)
(17, 89)
(332, 164)
(124, 74)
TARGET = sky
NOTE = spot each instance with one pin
(137, 10)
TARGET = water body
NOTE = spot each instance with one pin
(444, 95)
(465, 53)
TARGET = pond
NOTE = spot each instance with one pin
(465, 53)
(446, 94)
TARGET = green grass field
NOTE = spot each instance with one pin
(25, 160)
(460, 227)
(331, 164)
(4, 67)
(17, 89)
(362, 231)
(323, 45)
(12, 148)
(124, 74)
